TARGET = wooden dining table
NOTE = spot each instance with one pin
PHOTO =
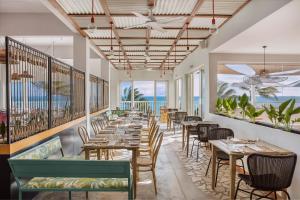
(186, 134)
(236, 148)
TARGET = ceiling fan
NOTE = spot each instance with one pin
(263, 76)
(151, 22)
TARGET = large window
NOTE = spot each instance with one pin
(179, 94)
(281, 82)
(144, 95)
(196, 93)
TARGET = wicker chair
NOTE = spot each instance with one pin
(222, 157)
(269, 173)
(202, 130)
(179, 117)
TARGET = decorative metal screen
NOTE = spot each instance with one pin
(93, 94)
(100, 94)
(78, 97)
(27, 90)
(60, 92)
(106, 94)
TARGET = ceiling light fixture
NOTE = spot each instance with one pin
(213, 29)
(187, 39)
(111, 53)
(175, 56)
(92, 27)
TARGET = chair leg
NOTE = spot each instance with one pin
(191, 154)
(218, 167)
(208, 167)
(251, 194)
(287, 194)
(237, 189)
(198, 147)
(154, 180)
(20, 195)
(174, 128)
(243, 166)
(275, 195)
(70, 195)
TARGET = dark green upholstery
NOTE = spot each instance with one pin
(69, 174)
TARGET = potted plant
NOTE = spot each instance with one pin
(286, 117)
(230, 105)
(243, 102)
(252, 112)
(272, 115)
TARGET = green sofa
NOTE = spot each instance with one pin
(37, 170)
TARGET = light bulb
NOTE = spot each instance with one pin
(111, 54)
(148, 59)
(92, 27)
(187, 50)
(213, 29)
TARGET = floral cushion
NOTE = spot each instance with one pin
(77, 183)
(42, 151)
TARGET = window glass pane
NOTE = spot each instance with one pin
(125, 90)
(196, 92)
(161, 95)
(143, 95)
(281, 83)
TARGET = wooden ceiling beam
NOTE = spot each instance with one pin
(147, 38)
(185, 26)
(144, 28)
(104, 6)
(74, 24)
(155, 15)
(144, 45)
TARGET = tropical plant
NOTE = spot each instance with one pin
(273, 114)
(266, 92)
(243, 102)
(219, 105)
(127, 94)
(252, 112)
(287, 115)
(223, 90)
(230, 105)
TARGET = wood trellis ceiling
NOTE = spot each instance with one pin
(131, 44)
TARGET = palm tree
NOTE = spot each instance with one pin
(127, 94)
(223, 90)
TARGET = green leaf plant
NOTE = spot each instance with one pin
(287, 115)
(252, 112)
(219, 105)
(243, 102)
(230, 105)
(272, 114)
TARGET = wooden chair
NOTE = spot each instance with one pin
(146, 148)
(148, 164)
(179, 117)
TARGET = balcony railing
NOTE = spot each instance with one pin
(143, 105)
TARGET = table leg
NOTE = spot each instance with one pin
(134, 171)
(98, 154)
(213, 166)
(187, 143)
(232, 162)
(87, 154)
(183, 129)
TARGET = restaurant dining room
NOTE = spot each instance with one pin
(149, 99)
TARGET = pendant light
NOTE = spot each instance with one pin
(111, 52)
(92, 27)
(213, 27)
(187, 39)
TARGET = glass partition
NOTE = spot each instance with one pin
(126, 95)
(100, 94)
(267, 85)
(161, 95)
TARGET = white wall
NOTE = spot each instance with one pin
(14, 24)
(113, 87)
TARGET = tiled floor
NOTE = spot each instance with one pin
(178, 177)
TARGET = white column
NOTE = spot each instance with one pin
(81, 51)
